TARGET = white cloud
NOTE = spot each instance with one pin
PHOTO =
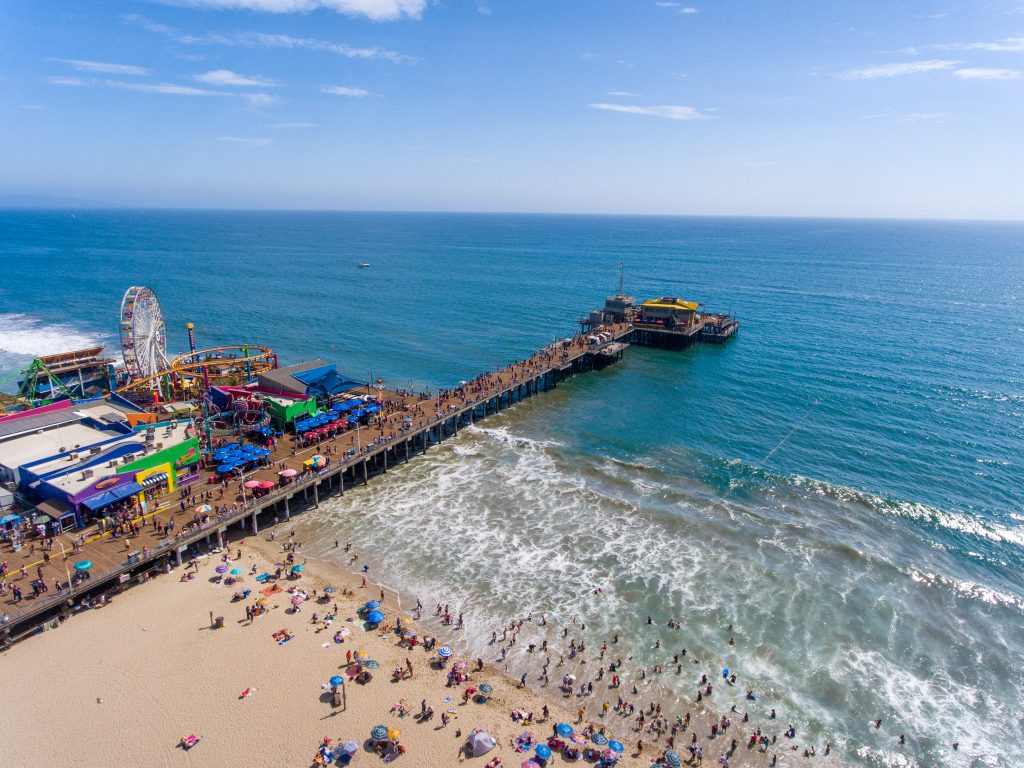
(924, 117)
(985, 73)
(344, 90)
(167, 88)
(65, 81)
(227, 77)
(1006, 45)
(293, 125)
(483, 7)
(897, 69)
(266, 40)
(103, 67)
(620, 94)
(246, 142)
(668, 111)
(377, 10)
(678, 7)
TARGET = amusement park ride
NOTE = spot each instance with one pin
(150, 376)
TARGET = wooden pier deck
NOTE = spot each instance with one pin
(410, 425)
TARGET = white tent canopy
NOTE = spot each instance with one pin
(480, 742)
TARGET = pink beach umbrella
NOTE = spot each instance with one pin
(266, 485)
(288, 472)
(297, 601)
(252, 483)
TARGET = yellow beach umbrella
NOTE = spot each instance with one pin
(394, 733)
(362, 654)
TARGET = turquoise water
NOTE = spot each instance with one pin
(842, 482)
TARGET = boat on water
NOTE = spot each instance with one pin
(364, 264)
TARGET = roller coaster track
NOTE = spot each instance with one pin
(191, 365)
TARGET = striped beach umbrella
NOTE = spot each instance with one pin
(444, 652)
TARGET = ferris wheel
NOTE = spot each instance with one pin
(143, 335)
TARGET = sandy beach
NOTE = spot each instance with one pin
(122, 684)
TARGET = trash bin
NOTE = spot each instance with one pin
(218, 623)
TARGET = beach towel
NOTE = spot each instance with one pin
(271, 590)
(263, 577)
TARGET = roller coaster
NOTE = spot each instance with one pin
(189, 375)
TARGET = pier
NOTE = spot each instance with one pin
(411, 425)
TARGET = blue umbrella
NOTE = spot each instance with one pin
(375, 617)
(236, 571)
(563, 729)
(543, 751)
(372, 605)
(444, 651)
(301, 428)
(673, 758)
(225, 468)
(83, 565)
(337, 680)
(486, 688)
(298, 568)
(599, 738)
(616, 746)
(378, 733)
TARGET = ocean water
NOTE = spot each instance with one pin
(842, 482)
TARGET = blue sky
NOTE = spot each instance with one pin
(639, 106)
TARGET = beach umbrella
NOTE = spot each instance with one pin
(486, 687)
(361, 654)
(444, 652)
(225, 468)
(236, 571)
(599, 738)
(221, 568)
(372, 605)
(407, 420)
(394, 733)
(673, 758)
(531, 764)
(350, 747)
(288, 472)
(83, 565)
(371, 664)
(252, 483)
(616, 746)
(337, 680)
(298, 568)
(297, 600)
(203, 508)
(460, 666)
(266, 484)
(610, 755)
(378, 733)
(543, 751)
(563, 729)
(375, 617)
(329, 590)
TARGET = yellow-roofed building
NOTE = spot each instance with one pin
(669, 314)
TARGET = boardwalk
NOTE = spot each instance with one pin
(409, 425)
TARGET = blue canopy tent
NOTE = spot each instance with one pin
(101, 500)
(324, 380)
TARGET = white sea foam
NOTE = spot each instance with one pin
(22, 334)
(499, 525)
